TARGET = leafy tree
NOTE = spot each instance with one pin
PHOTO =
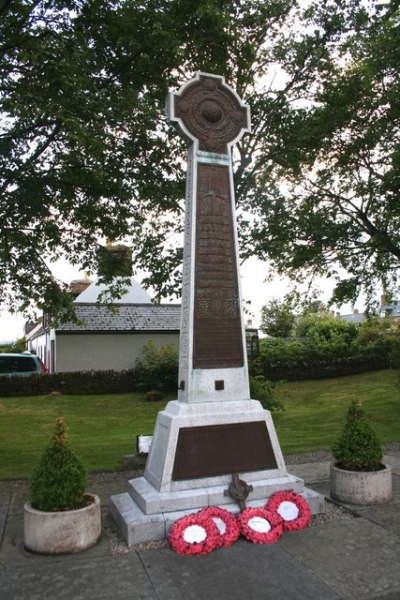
(340, 208)
(87, 153)
(83, 85)
(277, 319)
(18, 345)
(331, 329)
(319, 320)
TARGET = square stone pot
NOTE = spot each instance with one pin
(62, 532)
(361, 487)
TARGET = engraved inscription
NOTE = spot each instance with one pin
(217, 325)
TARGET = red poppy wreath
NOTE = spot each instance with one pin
(292, 508)
(260, 525)
(194, 534)
(226, 523)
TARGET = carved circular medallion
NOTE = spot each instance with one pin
(211, 112)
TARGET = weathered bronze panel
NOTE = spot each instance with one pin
(222, 449)
(217, 336)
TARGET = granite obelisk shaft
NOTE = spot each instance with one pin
(213, 365)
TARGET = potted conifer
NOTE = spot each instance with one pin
(358, 476)
(60, 517)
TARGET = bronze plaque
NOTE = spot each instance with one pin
(217, 336)
(214, 450)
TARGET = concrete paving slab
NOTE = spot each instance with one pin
(14, 493)
(243, 571)
(395, 453)
(394, 595)
(12, 550)
(109, 485)
(344, 558)
(102, 578)
(386, 516)
(311, 472)
(5, 497)
(393, 460)
(356, 558)
(3, 521)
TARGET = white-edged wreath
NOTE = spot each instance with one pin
(226, 523)
(260, 526)
(291, 508)
(194, 534)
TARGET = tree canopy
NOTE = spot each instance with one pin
(83, 87)
(340, 208)
(277, 318)
(86, 152)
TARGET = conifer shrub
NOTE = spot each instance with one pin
(58, 481)
(358, 448)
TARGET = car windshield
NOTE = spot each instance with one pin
(17, 364)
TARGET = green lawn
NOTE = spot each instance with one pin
(104, 428)
(315, 410)
(101, 428)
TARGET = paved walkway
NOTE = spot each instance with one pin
(343, 554)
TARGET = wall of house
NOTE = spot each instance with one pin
(39, 345)
(86, 352)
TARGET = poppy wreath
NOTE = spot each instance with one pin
(194, 534)
(292, 508)
(260, 526)
(226, 523)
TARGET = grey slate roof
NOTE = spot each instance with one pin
(124, 318)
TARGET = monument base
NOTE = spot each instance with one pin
(238, 435)
(136, 526)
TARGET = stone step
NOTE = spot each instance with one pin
(137, 527)
(151, 501)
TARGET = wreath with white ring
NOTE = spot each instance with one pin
(292, 508)
(226, 523)
(260, 526)
(194, 534)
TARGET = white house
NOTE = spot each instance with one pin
(106, 337)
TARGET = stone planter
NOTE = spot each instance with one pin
(361, 487)
(62, 532)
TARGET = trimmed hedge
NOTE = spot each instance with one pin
(321, 369)
(80, 382)
(119, 382)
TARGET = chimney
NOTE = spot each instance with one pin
(77, 286)
(114, 260)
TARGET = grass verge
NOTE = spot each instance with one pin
(103, 428)
(315, 410)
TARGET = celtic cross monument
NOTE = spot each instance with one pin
(213, 445)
